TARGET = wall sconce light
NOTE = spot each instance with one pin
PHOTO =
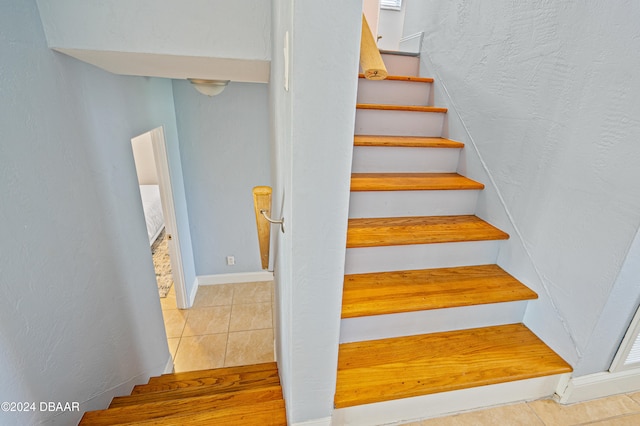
(209, 87)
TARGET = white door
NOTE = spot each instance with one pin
(152, 165)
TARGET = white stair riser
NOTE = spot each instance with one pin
(398, 123)
(420, 256)
(431, 321)
(412, 203)
(383, 159)
(440, 404)
(401, 65)
(393, 92)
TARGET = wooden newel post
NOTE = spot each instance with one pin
(262, 201)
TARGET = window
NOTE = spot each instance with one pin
(391, 4)
(628, 355)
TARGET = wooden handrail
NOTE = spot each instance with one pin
(370, 59)
(262, 202)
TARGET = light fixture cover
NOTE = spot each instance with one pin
(209, 87)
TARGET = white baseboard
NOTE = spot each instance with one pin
(242, 277)
(168, 368)
(194, 291)
(317, 422)
(599, 385)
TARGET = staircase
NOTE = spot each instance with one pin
(430, 324)
(247, 395)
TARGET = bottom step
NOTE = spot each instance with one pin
(404, 367)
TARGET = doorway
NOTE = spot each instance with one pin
(152, 167)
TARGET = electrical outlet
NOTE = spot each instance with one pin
(231, 260)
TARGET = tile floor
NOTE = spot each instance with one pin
(229, 324)
(618, 410)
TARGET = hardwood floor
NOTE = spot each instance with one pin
(247, 395)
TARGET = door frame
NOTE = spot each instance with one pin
(168, 210)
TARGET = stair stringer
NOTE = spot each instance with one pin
(542, 315)
(440, 404)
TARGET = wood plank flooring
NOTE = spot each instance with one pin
(231, 396)
(414, 108)
(406, 141)
(407, 291)
(372, 232)
(411, 182)
(405, 78)
(403, 367)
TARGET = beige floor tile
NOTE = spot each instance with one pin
(253, 316)
(174, 320)
(173, 346)
(210, 320)
(512, 415)
(249, 347)
(629, 420)
(213, 295)
(200, 352)
(553, 413)
(635, 396)
(258, 292)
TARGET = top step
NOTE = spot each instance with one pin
(395, 90)
(412, 78)
(398, 64)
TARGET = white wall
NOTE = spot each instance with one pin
(312, 126)
(390, 27)
(145, 162)
(547, 93)
(164, 38)
(79, 314)
(224, 146)
(218, 28)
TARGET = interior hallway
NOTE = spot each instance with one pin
(228, 325)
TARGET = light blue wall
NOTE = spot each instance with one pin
(546, 96)
(312, 126)
(204, 28)
(79, 312)
(224, 143)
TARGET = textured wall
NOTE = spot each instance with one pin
(312, 125)
(79, 313)
(546, 91)
(224, 144)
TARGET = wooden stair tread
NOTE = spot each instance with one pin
(407, 291)
(404, 78)
(192, 391)
(224, 378)
(406, 141)
(414, 108)
(403, 367)
(390, 231)
(411, 181)
(159, 409)
(225, 382)
(214, 372)
(269, 413)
